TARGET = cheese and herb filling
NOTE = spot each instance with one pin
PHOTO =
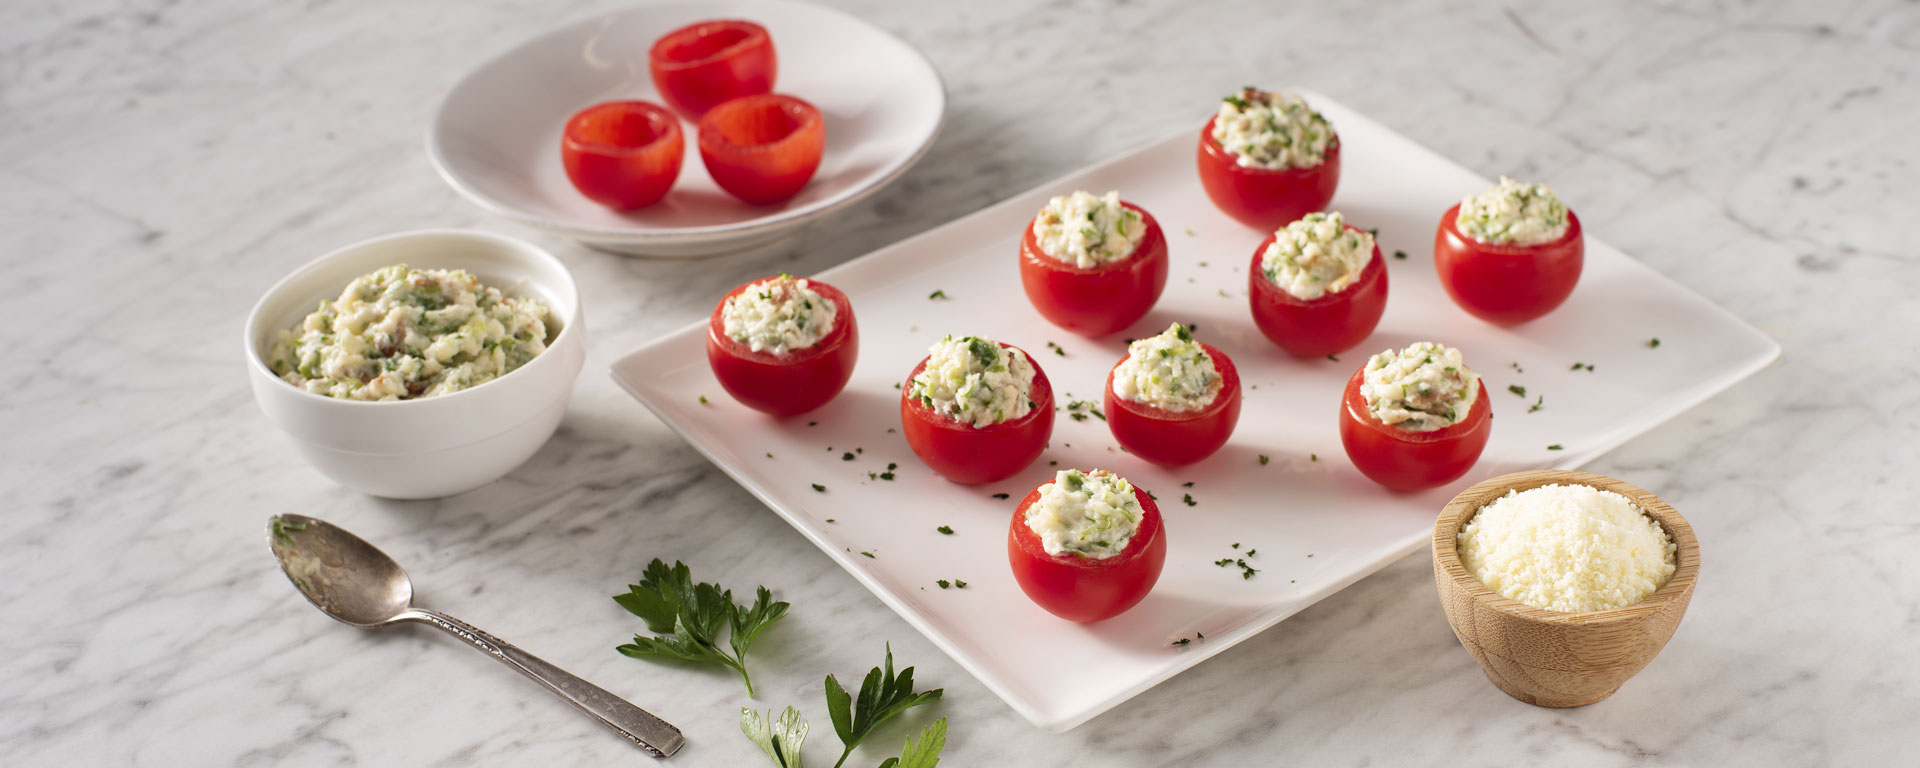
(1086, 230)
(1421, 388)
(1570, 548)
(1512, 213)
(1085, 514)
(975, 381)
(1316, 255)
(1169, 371)
(1271, 130)
(778, 315)
(403, 333)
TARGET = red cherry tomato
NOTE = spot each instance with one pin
(622, 154)
(1507, 284)
(967, 455)
(1328, 325)
(1177, 438)
(793, 383)
(1082, 588)
(1264, 198)
(1099, 300)
(1404, 460)
(762, 149)
(703, 64)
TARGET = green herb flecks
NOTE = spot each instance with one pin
(936, 295)
(1517, 389)
(946, 529)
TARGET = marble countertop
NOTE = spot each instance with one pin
(162, 163)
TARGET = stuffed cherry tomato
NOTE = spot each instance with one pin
(1510, 254)
(1416, 418)
(622, 154)
(701, 65)
(1087, 546)
(762, 149)
(976, 410)
(1173, 400)
(1267, 159)
(782, 345)
(1093, 264)
(1317, 286)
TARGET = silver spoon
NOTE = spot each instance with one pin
(350, 580)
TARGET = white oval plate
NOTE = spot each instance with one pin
(496, 136)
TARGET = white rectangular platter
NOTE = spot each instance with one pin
(1316, 524)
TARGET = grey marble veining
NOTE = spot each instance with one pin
(162, 163)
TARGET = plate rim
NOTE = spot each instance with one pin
(1256, 622)
(686, 235)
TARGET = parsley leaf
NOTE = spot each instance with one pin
(882, 695)
(936, 295)
(946, 529)
(780, 739)
(686, 618)
(926, 753)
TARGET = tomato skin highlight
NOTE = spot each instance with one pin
(1176, 438)
(790, 384)
(1085, 589)
(1507, 284)
(1096, 301)
(1264, 198)
(762, 149)
(1328, 325)
(1411, 461)
(704, 64)
(622, 154)
(968, 456)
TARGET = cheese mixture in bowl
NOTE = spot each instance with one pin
(1085, 514)
(1512, 213)
(1273, 131)
(1424, 387)
(975, 381)
(778, 315)
(1169, 371)
(1569, 548)
(1086, 230)
(1316, 255)
(402, 333)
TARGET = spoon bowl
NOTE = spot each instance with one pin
(355, 583)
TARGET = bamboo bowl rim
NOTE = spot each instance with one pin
(1459, 511)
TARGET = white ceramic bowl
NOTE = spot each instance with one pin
(496, 136)
(433, 446)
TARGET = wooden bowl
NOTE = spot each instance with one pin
(1551, 658)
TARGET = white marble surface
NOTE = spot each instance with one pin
(161, 163)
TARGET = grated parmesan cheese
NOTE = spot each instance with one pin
(1569, 548)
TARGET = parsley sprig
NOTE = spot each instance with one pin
(882, 695)
(686, 618)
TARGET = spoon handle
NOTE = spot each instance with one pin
(658, 737)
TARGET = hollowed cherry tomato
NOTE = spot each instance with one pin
(1507, 284)
(796, 382)
(1082, 588)
(1095, 301)
(969, 455)
(1405, 460)
(703, 64)
(1264, 198)
(1177, 438)
(622, 154)
(762, 149)
(1330, 324)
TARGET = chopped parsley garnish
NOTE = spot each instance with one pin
(1555, 447)
(1400, 254)
(868, 555)
(703, 399)
(944, 583)
(1057, 349)
(1331, 357)
(1517, 389)
(1538, 404)
(1189, 500)
(946, 529)
(848, 456)
(958, 584)
(1189, 231)
(1587, 366)
(1313, 457)
(812, 423)
(1264, 459)
(831, 520)
(1516, 368)
(1075, 408)
(769, 455)
(819, 488)
(937, 295)
(1223, 294)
